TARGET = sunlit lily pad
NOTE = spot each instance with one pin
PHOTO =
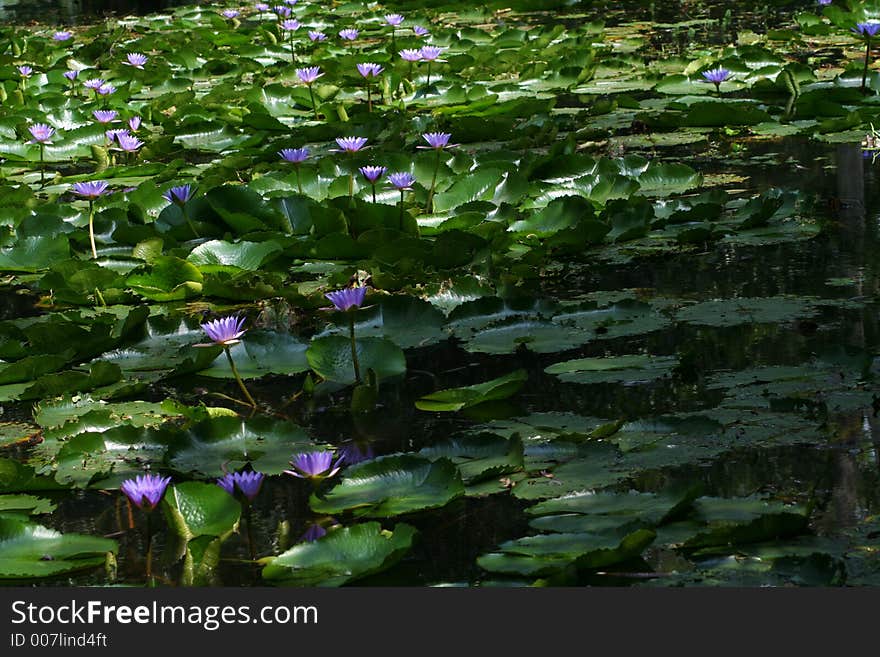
(456, 399)
(391, 486)
(343, 555)
(29, 551)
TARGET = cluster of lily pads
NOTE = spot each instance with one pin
(276, 157)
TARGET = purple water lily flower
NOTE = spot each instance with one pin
(94, 84)
(348, 34)
(867, 30)
(63, 35)
(224, 332)
(716, 75)
(70, 75)
(105, 89)
(411, 55)
(229, 14)
(347, 298)
(431, 53)
(369, 70)
(393, 19)
(25, 71)
(128, 143)
(290, 25)
(135, 59)
(294, 155)
(90, 190)
(372, 173)
(261, 6)
(105, 116)
(134, 123)
(437, 140)
(351, 144)
(309, 74)
(113, 135)
(248, 483)
(420, 31)
(314, 465)
(282, 11)
(401, 181)
(180, 194)
(823, 3)
(41, 133)
(317, 36)
(145, 491)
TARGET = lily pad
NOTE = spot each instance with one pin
(195, 509)
(390, 486)
(456, 399)
(628, 370)
(31, 551)
(342, 556)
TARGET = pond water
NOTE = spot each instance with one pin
(739, 426)
(72, 12)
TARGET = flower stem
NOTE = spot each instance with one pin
(298, 181)
(92, 228)
(374, 192)
(149, 565)
(42, 167)
(314, 107)
(241, 385)
(292, 54)
(189, 221)
(354, 356)
(369, 98)
(400, 221)
(430, 201)
(250, 532)
(867, 58)
(428, 83)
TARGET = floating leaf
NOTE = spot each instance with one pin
(456, 399)
(330, 357)
(614, 369)
(31, 551)
(342, 556)
(391, 486)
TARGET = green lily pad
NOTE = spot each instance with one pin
(195, 509)
(261, 353)
(615, 369)
(391, 486)
(480, 457)
(330, 357)
(31, 551)
(244, 255)
(546, 554)
(341, 556)
(29, 504)
(746, 310)
(231, 442)
(456, 399)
